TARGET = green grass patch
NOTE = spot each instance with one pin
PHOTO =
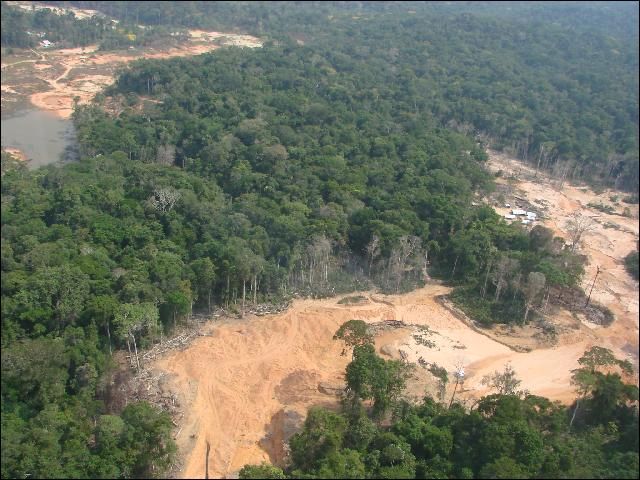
(601, 207)
(509, 310)
(352, 300)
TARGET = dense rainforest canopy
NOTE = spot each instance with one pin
(556, 82)
(346, 157)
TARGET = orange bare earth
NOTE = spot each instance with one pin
(86, 71)
(16, 152)
(242, 385)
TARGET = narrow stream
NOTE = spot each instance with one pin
(42, 136)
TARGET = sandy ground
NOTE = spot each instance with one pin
(16, 152)
(241, 384)
(96, 70)
(604, 247)
(247, 387)
(79, 12)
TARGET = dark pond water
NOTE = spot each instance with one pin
(43, 137)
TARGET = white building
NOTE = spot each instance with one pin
(508, 216)
(517, 211)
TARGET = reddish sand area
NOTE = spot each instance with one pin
(87, 71)
(78, 12)
(16, 153)
(242, 383)
(246, 387)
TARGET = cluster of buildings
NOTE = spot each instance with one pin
(522, 215)
(44, 42)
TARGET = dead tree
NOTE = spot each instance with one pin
(577, 226)
(318, 254)
(407, 245)
(503, 270)
(459, 376)
(373, 250)
(166, 154)
(535, 284)
(164, 199)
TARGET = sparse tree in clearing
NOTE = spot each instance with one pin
(205, 276)
(255, 267)
(504, 268)
(577, 226)
(373, 250)
(370, 377)
(443, 378)
(586, 377)
(597, 357)
(133, 318)
(318, 254)
(407, 245)
(535, 284)
(164, 199)
(458, 374)
(505, 382)
(166, 154)
(354, 333)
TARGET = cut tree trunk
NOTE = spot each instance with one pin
(135, 346)
(109, 336)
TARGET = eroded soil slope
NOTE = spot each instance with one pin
(248, 385)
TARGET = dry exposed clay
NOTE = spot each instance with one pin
(248, 372)
(87, 71)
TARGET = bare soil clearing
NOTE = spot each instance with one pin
(16, 152)
(614, 237)
(246, 387)
(80, 13)
(51, 79)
